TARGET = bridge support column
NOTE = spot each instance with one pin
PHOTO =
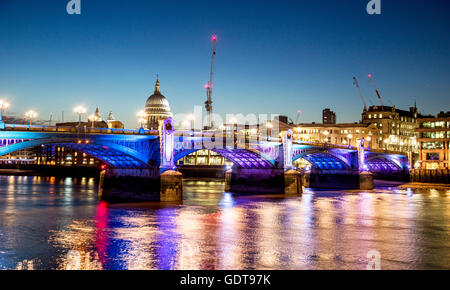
(366, 180)
(292, 182)
(171, 186)
(263, 181)
(122, 184)
(118, 184)
(336, 179)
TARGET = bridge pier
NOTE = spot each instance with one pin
(171, 188)
(366, 180)
(338, 179)
(263, 181)
(119, 184)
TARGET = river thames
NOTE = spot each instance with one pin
(59, 223)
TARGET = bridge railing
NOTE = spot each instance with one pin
(84, 130)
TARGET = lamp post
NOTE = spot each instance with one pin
(92, 119)
(141, 118)
(368, 139)
(3, 106)
(30, 115)
(234, 121)
(191, 119)
(349, 136)
(269, 130)
(326, 133)
(80, 110)
(298, 129)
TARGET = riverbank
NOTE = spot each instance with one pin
(39, 170)
(420, 185)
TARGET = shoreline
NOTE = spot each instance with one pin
(422, 185)
(378, 183)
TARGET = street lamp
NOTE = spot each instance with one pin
(191, 119)
(298, 129)
(386, 141)
(326, 133)
(3, 106)
(80, 110)
(92, 119)
(141, 118)
(269, 130)
(349, 136)
(30, 115)
(368, 139)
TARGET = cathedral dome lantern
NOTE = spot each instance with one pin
(156, 108)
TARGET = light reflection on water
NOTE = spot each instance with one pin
(58, 223)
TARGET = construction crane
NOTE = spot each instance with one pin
(355, 82)
(209, 87)
(299, 112)
(375, 88)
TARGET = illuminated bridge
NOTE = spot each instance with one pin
(133, 156)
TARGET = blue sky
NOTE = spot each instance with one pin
(272, 56)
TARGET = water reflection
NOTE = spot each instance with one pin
(51, 223)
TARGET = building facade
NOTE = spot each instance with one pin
(61, 156)
(434, 137)
(113, 123)
(397, 128)
(328, 117)
(348, 134)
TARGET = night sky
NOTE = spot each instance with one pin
(272, 56)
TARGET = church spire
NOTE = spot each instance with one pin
(157, 87)
(111, 116)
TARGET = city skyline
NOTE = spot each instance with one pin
(224, 135)
(54, 61)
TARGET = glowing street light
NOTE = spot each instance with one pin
(386, 141)
(349, 136)
(368, 139)
(30, 115)
(80, 110)
(269, 126)
(186, 123)
(141, 118)
(190, 119)
(3, 106)
(92, 119)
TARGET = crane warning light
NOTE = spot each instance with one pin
(214, 38)
(206, 87)
(369, 75)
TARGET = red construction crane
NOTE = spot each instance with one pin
(209, 87)
(355, 82)
(375, 88)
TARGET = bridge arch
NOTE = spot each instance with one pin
(240, 157)
(323, 160)
(114, 155)
(383, 164)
